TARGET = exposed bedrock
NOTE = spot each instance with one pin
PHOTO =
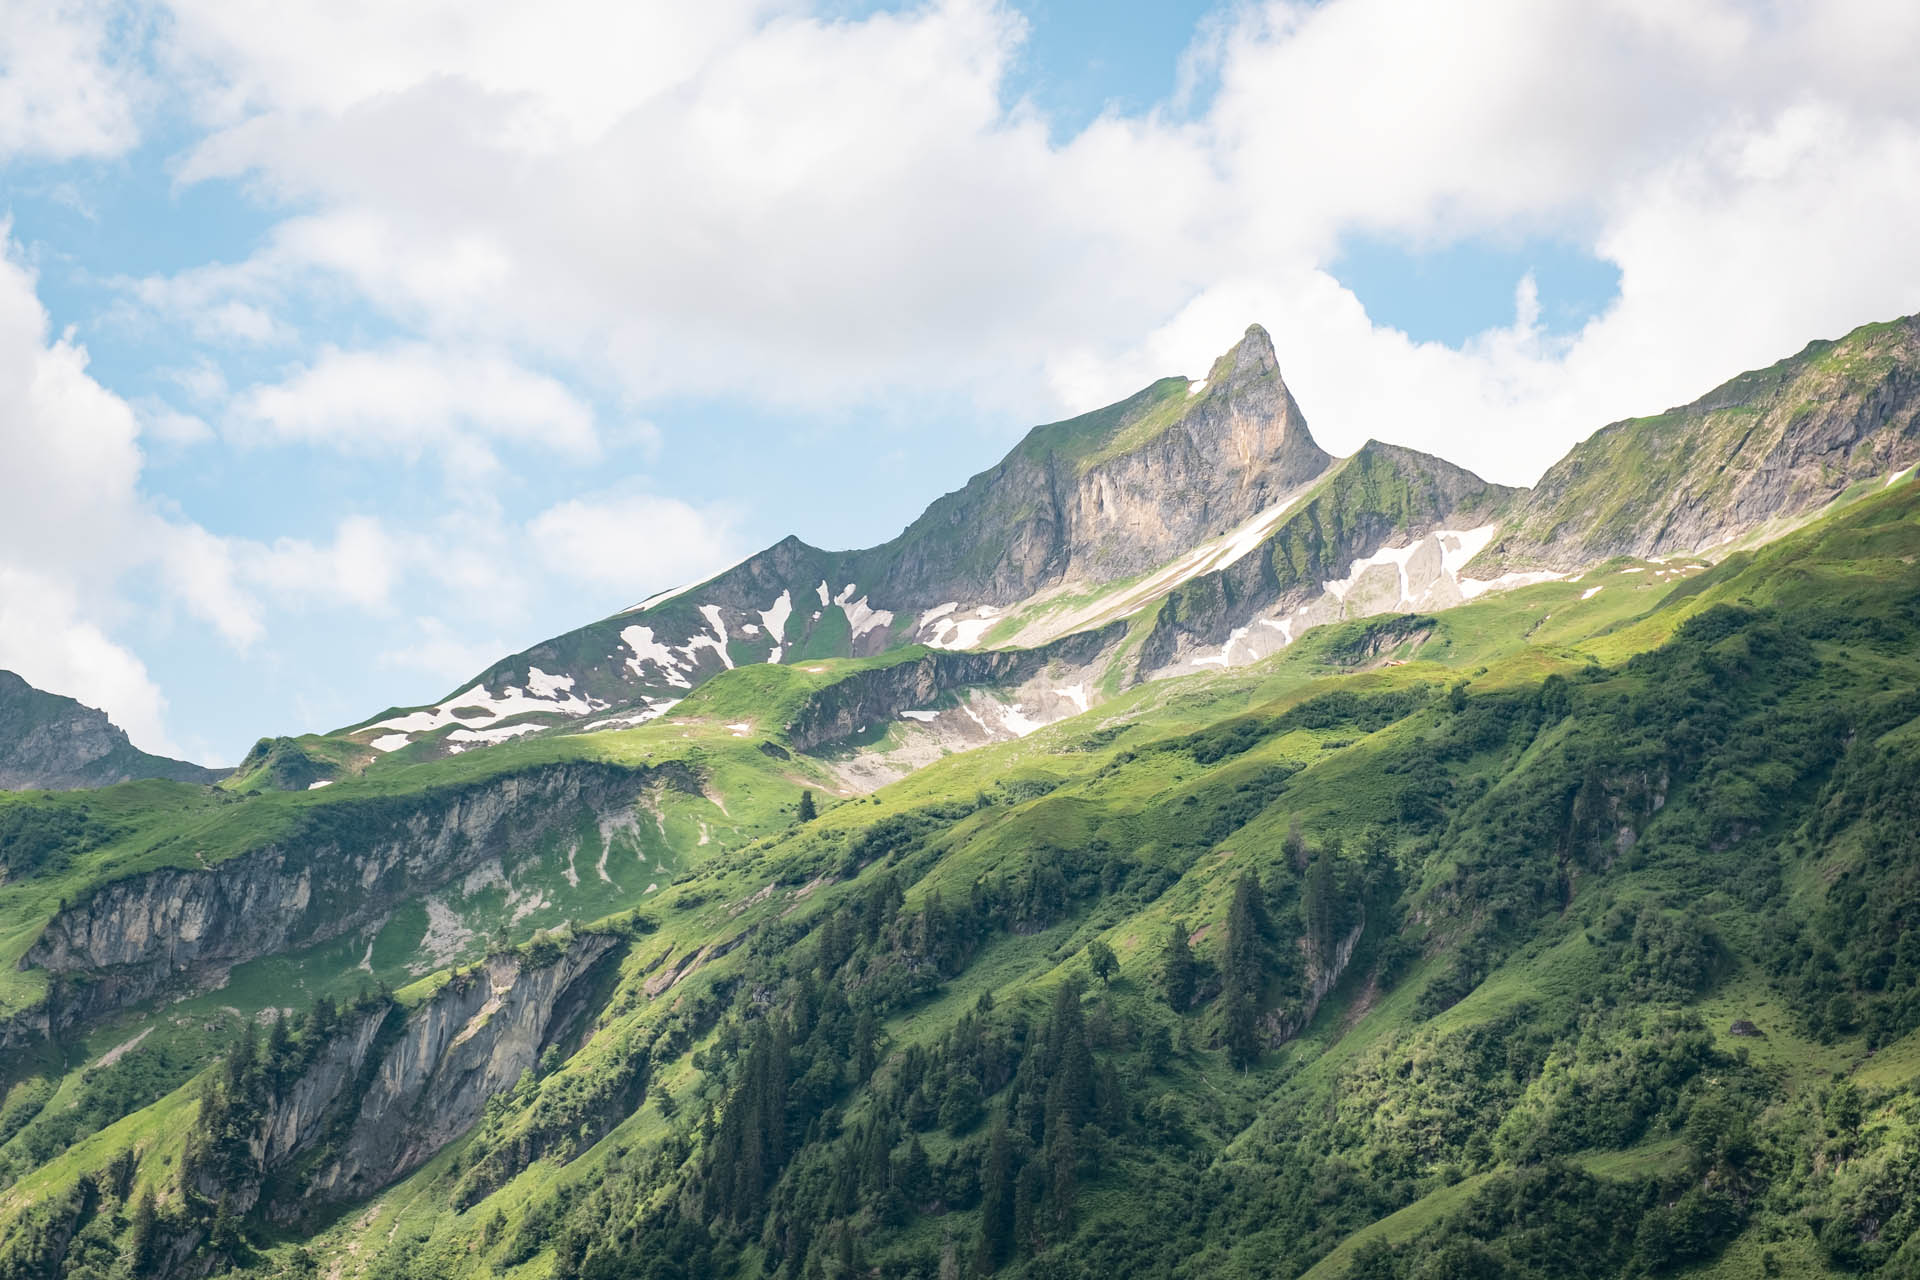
(348, 864)
(871, 697)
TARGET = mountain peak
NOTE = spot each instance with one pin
(53, 743)
(1249, 360)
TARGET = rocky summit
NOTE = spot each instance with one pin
(1179, 853)
(52, 743)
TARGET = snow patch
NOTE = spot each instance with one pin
(711, 613)
(922, 716)
(1591, 592)
(859, 616)
(542, 685)
(461, 739)
(646, 649)
(774, 618)
(390, 742)
(542, 693)
(1474, 588)
(962, 633)
(822, 589)
(324, 782)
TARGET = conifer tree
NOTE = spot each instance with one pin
(1247, 931)
(996, 1203)
(1177, 977)
(808, 812)
(140, 1234)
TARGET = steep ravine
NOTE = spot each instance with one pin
(392, 1087)
(174, 929)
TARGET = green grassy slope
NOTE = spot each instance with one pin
(1473, 904)
(1840, 412)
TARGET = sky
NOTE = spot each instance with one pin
(349, 345)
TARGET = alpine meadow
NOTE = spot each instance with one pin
(560, 721)
(1180, 853)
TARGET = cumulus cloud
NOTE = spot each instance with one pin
(560, 226)
(415, 398)
(73, 521)
(66, 88)
(638, 543)
(804, 212)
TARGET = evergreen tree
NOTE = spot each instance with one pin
(996, 1203)
(808, 812)
(1177, 975)
(1070, 1061)
(1320, 906)
(1247, 933)
(279, 1047)
(1295, 846)
(140, 1234)
(1063, 1160)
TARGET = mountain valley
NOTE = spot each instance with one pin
(1181, 852)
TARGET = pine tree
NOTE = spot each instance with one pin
(996, 1203)
(807, 810)
(1063, 1159)
(279, 1047)
(1177, 977)
(1247, 931)
(1320, 907)
(1069, 1062)
(140, 1234)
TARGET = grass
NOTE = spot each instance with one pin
(1115, 775)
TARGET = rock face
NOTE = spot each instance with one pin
(51, 743)
(1110, 494)
(1125, 494)
(875, 696)
(391, 1088)
(1089, 501)
(176, 928)
(1773, 444)
(1307, 572)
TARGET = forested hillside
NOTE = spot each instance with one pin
(1561, 933)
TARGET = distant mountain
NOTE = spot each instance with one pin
(52, 743)
(1769, 446)
(1205, 515)
(1331, 916)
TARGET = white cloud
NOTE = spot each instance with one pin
(360, 568)
(414, 398)
(46, 639)
(806, 212)
(64, 89)
(635, 543)
(72, 520)
(442, 653)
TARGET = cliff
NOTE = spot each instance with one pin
(52, 743)
(174, 928)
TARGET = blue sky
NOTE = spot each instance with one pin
(342, 351)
